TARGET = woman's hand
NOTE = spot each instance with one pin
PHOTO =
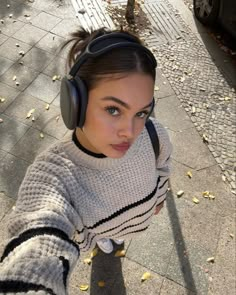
(158, 208)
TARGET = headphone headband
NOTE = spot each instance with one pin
(106, 43)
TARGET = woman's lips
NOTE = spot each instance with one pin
(123, 147)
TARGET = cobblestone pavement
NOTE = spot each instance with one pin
(203, 91)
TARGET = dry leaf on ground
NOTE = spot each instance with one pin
(47, 106)
(41, 135)
(189, 174)
(101, 284)
(2, 99)
(146, 276)
(180, 193)
(29, 114)
(83, 287)
(120, 253)
(88, 261)
(1, 120)
(211, 259)
(195, 200)
(94, 253)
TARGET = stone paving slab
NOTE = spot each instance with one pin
(153, 247)
(29, 34)
(51, 43)
(188, 263)
(44, 88)
(163, 85)
(3, 38)
(37, 59)
(223, 281)
(171, 114)
(31, 144)
(23, 75)
(45, 21)
(171, 288)
(51, 123)
(10, 26)
(132, 273)
(6, 205)
(189, 224)
(9, 49)
(185, 152)
(56, 67)
(5, 64)
(13, 170)
(11, 131)
(208, 179)
(22, 105)
(9, 94)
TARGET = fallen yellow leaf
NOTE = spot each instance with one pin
(94, 252)
(206, 194)
(120, 253)
(83, 287)
(189, 174)
(87, 261)
(14, 78)
(146, 276)
(101, 284)
(47, 107)
(211, 259)
(156, 88)
(180, 194)
(1, 120)
(231, 235)
(29, 114)
(212, 197)
(33, 119)
(54, 78)
(205, 138)
(57, 118)
(195, 200)
(2, 99)
(41, 135)
(227, 98)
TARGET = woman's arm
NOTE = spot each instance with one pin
(40, 254)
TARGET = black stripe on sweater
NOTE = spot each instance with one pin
(117, 227)
(126, 208)
(33, 232)
(66, 268)
(161, 186)
(15, 286)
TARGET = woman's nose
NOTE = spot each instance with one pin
(127, 129)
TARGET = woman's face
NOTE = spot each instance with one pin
(116, 113)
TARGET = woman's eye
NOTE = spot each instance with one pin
(112, 111)
(142, 114)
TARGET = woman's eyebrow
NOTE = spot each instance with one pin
(121, 102)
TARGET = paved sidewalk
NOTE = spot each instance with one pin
(184, 235)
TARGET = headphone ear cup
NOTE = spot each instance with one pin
(69, 103)
(73, 101)
(83, 100)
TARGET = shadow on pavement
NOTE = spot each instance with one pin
(180, 245)
(107, 268)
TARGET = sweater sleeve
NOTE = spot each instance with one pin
(40, 253)
(163, 162)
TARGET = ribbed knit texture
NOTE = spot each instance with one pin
(69, 195)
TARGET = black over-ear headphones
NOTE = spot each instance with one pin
(74, 93)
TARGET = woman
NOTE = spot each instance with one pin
(102, 182)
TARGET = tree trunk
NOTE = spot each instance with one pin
(129, 15)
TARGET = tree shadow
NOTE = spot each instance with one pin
(107, 268)
(180, 245)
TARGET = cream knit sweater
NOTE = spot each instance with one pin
(68, 200)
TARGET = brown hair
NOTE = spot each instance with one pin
(120, 60)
